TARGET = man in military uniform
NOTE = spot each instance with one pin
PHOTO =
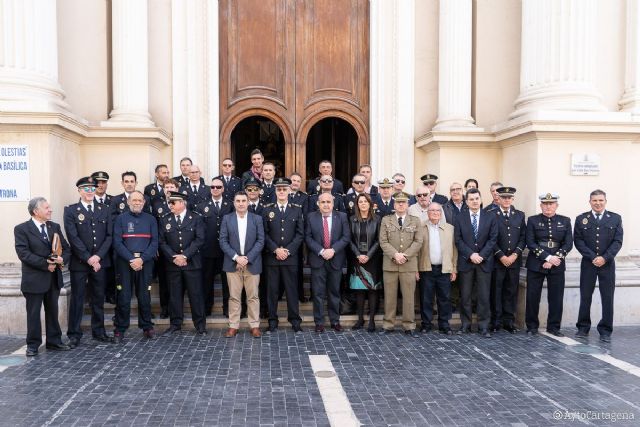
(401, 238)
(119, 203)
(88, 227)
(508, 254)
(549, 240)
(232, 183)
(181, 236)
(495, 203)
(598, 238)
(326, 186)
(325, 168)
(196, 190)
(268, 189)
(212, 212)
(385, 205)
(255, 172)
(135, 241)
(154, 191)
(431, 182)
(102, 182)
(283, 233)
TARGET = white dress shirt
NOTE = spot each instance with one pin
(435, 249)
(38, 224)
(242, 231)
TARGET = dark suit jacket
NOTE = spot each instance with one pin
(253, 244)
(340, 239)
(185, 240)
(467, 245)
(439, 198)
(88, 235)
(33, 251)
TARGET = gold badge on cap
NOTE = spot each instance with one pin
(81, 217)
(121, 205)
(585, 221)
(272, 215)
(168, 226)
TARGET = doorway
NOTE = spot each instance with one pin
(261, 133)
(335, 140)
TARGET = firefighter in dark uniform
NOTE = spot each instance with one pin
(88, 227)
(598, 238)
(101, 197)
(284, 233)
(181, 237)
(431, 182)
(135, 241)
(212, 212)
(508, 253)
(385, 199)
(549, 240)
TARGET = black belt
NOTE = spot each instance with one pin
(549, 244)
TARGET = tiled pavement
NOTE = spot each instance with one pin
(389, 380)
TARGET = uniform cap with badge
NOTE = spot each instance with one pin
(401, 196)
(100, 176)
(548, 198)
(85, 181)
(252, 182)
(282, 182)
(385, 183)
(177, 196)
(506, 191)
(428, 178)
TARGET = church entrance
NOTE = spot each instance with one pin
(261, 133)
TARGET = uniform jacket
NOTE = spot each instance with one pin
(540, 231)
(384, 210)
(88, 235)
(301, 199)
(160, 208)
(314, 187)
(406, 239)
(253, 244)
(106, 199)
(483, 245)
(282, 231)
(338, 203)
(33, 251)
(194, 199)
(349, 202)
(153, 193)
(119, 204)
(373, 235)
(135, 234)
(439, 198)
(186, 239)
(268, 193)
(232, 187)
(447, 247)
(340, 238)
(181, 180)
(256, 210)
(511, 236)
(212, 219)
(593, 238)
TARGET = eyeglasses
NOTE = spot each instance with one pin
(217, 187)
(282, 188)
(422, 195)
(400, 181)
(434, 210)
(358, 182)
(456, 189)
(88, 189)
(326, 181)
(251, 190)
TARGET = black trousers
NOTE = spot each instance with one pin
(130, 280)
(163, 285)
(191, 280)
(96, 282)
(34, 305)
(482, 280)
(504, 296)
(440, 283)
(211, 267)
(288, 275)
(325, 283)
(262, 294)
(606, 276)
(555, 295)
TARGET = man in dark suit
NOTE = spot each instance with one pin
(232, 183)
(431, 182)
(598, 238)
(242, 241)
(212, 212)
(195, 190)
(154, 190)
(181, 235)
(476, 234)
(41, 274)
(455, 204)
(283, 233)
(88, 227)
(549, 240)
(326, 169)
(327, 236)
(508, 259)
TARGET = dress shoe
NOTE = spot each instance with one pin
(297, 329)
(73, 342)
(118, 337)
(164, 314)
(511, 329)
(582, 334)
(57, 347)
(102, 338)
(171, 330)
(532, 332)
(337, 327)
(31, 352)
(556, 333)
(446, 331)
(605, 338)
(412, 333)
(202, 331)
(255, 332)
(425, 329)
(485, 333)
(320, 329)
(464, 330)
(303, 299)
(371, 327)
(357, 325)
(385, 331)
(273, 327)
(149, 333)
(231, 332)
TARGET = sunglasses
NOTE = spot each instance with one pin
(88, 189)
(358, 182)
(251, 190)
(326, 181)
(430, 183)
(400, 181)
(227, 165)
(422, 195)
(217, 187)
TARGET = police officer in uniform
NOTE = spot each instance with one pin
(549, 240)
(268, 193)
(232, 184)
(154, 190)
(358, 187)
(135, 241)
(88, 227)
(101, 179)
(326, 184)
(284, 233)
(119, 203)
(508, 253)
(197, 192)
(598, 238)
(181, 237)
(300, 198)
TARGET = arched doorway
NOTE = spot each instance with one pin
(262, 133)
(335, 140)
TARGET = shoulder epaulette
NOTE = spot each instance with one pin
(268, 205)
(296, 205)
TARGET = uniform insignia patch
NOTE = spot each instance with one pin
(153, 192)
(121, 205)
(160, 210)
(81, 217)
(318, 187)
(261, 191)
(585, 221)
(78, 208)
(351, 204)
(272, 215)
(206, 209)
(130, 227)
(168, 226)
(375, 206)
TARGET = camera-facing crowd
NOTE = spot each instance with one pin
(256, 232)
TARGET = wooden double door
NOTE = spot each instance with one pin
(296, 64)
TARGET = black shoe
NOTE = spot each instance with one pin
(605, 338)
(31, 352)
(118, 337)
(385, 331)
(297, 329)
(303, 299)
(171, 330)
(149, 333)
(511, 329)
(556, 333)
(358, 325)
(319, 329)
(532, 332)
(102, 338)
(485, 333)
(372, 327)
(446, 331)
(164, 314)
(425, 329)
(73, 342)
(272, 328)
(464, 330)
(337, 327)
(582, 334)
(202, 331)
(57, 347)
(412, 333)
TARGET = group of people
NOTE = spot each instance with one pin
(255, 231)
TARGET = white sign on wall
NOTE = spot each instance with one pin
(584, 164)
(14, 173)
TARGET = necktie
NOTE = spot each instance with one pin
(506, 214)
(43, 233)
(178, 221)
(598, 217)
(90, 209)
(282, 209)
(252, 207)
(227, 178)
(400, 221)
(100, 200)
(218, 206)
(326, 238)
(195, 190)
(474, 225)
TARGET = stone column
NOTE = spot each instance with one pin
(130, 67)
(630, 100)
(454, 65)
(29, 57)
(558, 65)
